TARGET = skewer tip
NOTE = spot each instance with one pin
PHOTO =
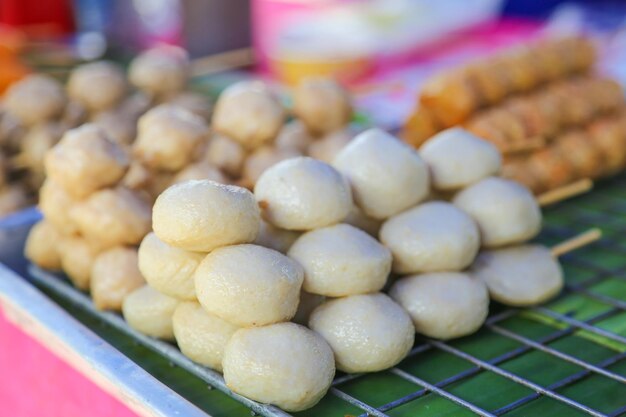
(576, 242)
(564, 192)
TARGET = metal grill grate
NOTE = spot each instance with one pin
(589, 316)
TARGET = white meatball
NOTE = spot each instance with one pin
(160, 71)
(201, 336)
(443, 305)
(322, 104)
(168, 269)
(113, 217)
(283, 364)
(308, 303)
(386, 175)
(328, 147)
(114, 275)
(457, 158)
(249, 114)
(86, 160)
(150, 312)
(341, 260)
(360, 220)
(203, 215)
(168, 137)
(41, 246)
(367, 333)
(521, 275)
(505, 211)
(200, 171)
(294, 135)
(263, 158)
(433, 236)
(34, 99)
(225, 154)
(97, 85)
(249, 285)
(275, 238)
(303, 194)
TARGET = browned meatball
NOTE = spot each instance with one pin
(98, 85)
(225, 154)
(114, 275)
(248, 113)
(161, 71)
(113, 217)
(42, 246)
(37, 98)
(55, 204)
(118, 126)
(168, 137)
(322, 104)
(35, 144)
(86, 160)
(77, 258)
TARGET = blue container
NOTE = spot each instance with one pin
(14, 229)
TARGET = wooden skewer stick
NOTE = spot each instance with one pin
(576, 242)
(564, 192)
(212, 64)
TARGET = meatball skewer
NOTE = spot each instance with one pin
(507, 212)
(527, 275)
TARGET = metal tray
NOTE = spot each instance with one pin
(14, 229)
(565, 358)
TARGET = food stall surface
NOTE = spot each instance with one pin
(563, 358)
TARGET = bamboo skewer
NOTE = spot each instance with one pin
(564, 192)
(576, 242)
(212, 64)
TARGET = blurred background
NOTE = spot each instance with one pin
(381, 49)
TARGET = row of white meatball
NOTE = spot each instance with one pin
(238, 287)
(506, 213)
(243, 285)
(387, 178)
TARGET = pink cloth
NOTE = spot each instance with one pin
(35, 382)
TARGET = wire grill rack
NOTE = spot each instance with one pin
(564, 358)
